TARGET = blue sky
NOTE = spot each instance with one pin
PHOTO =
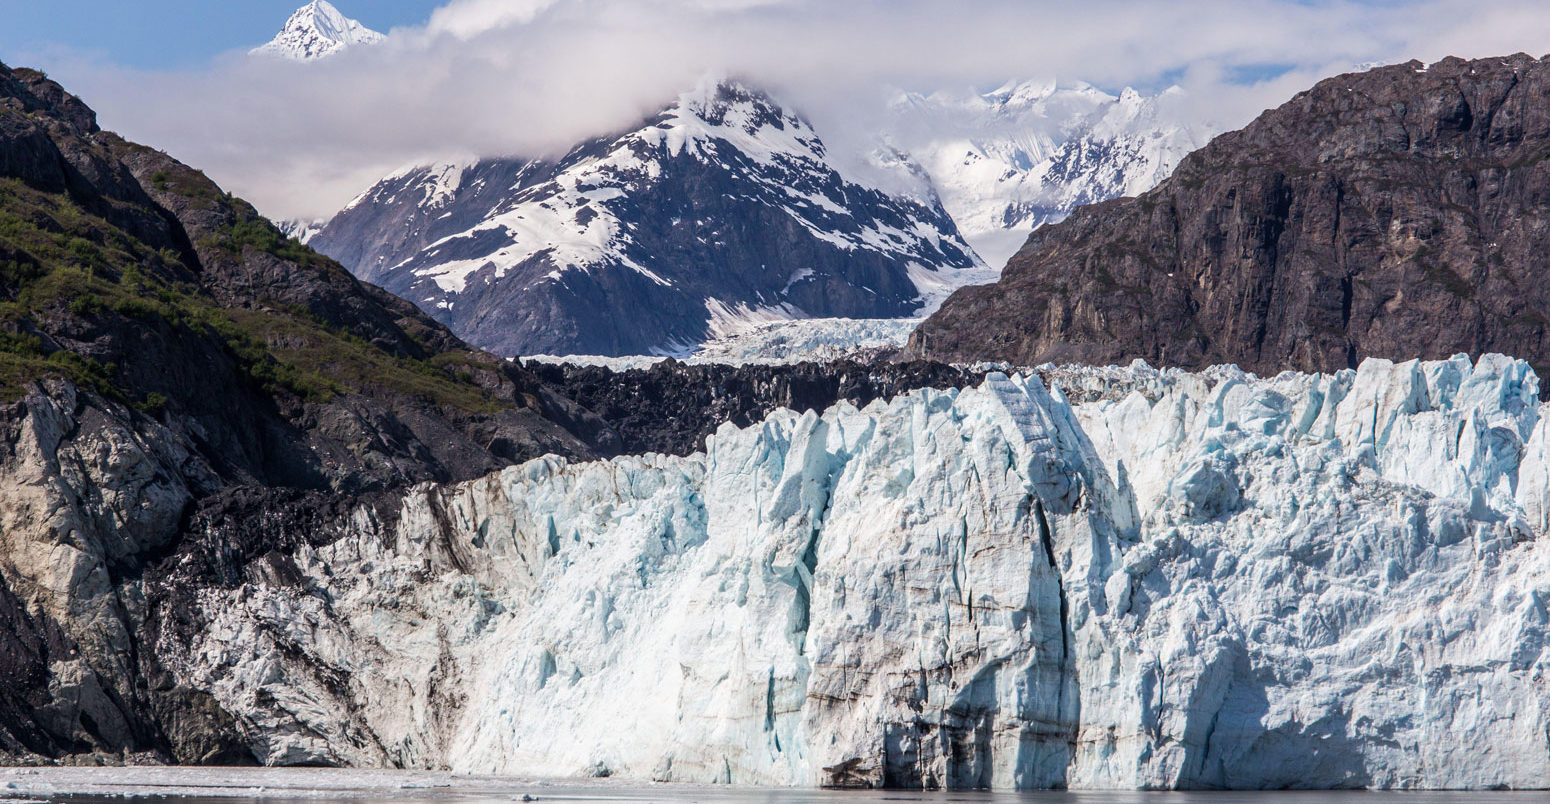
(167, 34)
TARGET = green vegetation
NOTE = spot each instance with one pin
(260, 235)
(62, 269)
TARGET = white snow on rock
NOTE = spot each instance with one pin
(1132, 579)
(725, 203)
(572, 218)
(302, 230)
(317, 30)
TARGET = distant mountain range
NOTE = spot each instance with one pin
(727, 209)
(1027, 154)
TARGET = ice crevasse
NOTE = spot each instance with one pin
(1126, 579)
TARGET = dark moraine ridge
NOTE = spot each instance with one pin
(1402, 212)
(671, 407)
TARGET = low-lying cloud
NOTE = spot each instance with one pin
(532, 77)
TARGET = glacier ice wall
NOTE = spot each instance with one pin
(1182, 580)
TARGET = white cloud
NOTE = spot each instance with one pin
(533, 76)
(469, 18)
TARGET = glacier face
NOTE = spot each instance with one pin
(1139, 579)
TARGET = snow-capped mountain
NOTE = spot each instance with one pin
(723, 211)
(1008, 161)
(646, 243)
(315, 31)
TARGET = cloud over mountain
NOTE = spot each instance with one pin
(533, 76)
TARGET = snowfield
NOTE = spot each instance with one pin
(1127, 579)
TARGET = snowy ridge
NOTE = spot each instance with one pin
(1026, 154)
(570, 219)
(317, 30)
(721, 212)
(727, 210)
(1184, 580)
(302, 230)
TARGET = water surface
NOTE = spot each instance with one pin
(276, 786)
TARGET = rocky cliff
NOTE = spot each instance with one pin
(671, 408)
(1402, 212)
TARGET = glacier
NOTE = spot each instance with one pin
(1078, 578)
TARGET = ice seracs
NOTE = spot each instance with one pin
(1089, 578)
(315, 31)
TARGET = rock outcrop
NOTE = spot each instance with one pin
(161, 346)
(672, 408)
(1399, 213)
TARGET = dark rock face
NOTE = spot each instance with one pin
(636, 244)
(1399, 213)
(163, 350)
(670, 408)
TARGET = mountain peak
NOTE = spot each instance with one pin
(315, 31)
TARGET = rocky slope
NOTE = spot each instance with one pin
(1180, 580)
(1400, 212)
(672, 408)
(722, 211)
(161, 348)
